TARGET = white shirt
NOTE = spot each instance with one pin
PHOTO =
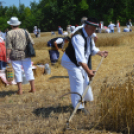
(72, 28)
(35, 31)
(78, 43)
(2, 35)
(111, 26)
(118, 25)
(60, 41)
(68, 29)
(107, 30)
(126, 30)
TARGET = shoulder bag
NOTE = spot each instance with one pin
(29, 50)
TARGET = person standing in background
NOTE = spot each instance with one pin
(35, 31)
(16, 42)
(38, 32)
(111, 27)
(3, 61)
(100, 26)
(129, 23)
(118, 26)
(60, 30)
(69, 30)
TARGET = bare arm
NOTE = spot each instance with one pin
(8, 53)
(56, 46)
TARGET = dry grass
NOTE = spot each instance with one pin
(43, 112)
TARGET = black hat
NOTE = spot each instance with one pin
(92, 21)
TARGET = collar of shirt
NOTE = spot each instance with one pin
(85, 33)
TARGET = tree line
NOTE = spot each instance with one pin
(49, 14)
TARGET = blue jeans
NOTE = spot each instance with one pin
(2, 65)
(111, 31)
(54, 55)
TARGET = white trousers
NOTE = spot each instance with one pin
(79, 84)
(27, 66)
(118, 29)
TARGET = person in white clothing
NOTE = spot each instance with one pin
(118, 26)
(2, 35)
(76, 58)
(111, 27)
(100, 26)
(72, 28)
(35, 31)
(127, 29)
(69, 30)
(15, 45)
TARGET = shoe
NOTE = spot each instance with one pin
(83, 110)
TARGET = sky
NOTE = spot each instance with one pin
(16, 2)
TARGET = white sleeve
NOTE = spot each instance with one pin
(95, 50)
(78, 44)
(59, 41)
(77, 28)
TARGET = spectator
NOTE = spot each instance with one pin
(100, 26)
(38, 31)
(60, 30)
(111, 27)
(118, 26)
(129, 23)
(3, 61)
(127, 29)
(15, 45)
(69, 30)
(35, 31)
(72, 28)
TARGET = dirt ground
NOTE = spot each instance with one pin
(44, 112)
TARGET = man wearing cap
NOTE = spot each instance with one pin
(56, 44)
(76, 58)
(83, 19)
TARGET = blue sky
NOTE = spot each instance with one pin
(16, 2)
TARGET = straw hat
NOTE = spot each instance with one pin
(14, 21)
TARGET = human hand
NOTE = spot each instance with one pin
(8, 60)
(91, 74)
(103, 53)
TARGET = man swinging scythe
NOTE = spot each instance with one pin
(75, 59)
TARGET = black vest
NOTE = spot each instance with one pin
(71, 52)
(53, 40)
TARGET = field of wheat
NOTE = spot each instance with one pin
(44, 112)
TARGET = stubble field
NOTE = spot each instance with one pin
(44, 112)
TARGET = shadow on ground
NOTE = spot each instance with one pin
(7, 93)
(53, 77)
(46, 112)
